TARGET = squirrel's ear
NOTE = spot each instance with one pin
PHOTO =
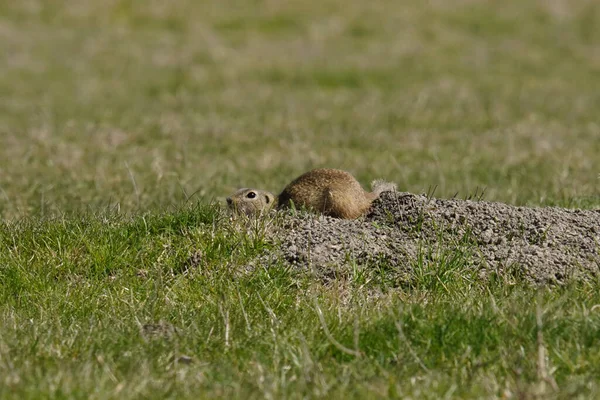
(267, 198)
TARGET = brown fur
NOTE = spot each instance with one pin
(332, 192)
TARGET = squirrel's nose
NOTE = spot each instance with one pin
(229, 201)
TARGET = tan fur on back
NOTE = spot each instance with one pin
(329, 191)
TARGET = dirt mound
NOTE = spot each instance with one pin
(405, 231)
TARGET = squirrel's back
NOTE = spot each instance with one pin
(332, 192)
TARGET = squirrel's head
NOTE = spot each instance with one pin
(251, 201)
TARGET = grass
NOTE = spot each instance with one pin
(103, 306)
(123, 121)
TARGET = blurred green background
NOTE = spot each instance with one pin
(138, 105)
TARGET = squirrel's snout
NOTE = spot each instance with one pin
(229, 201)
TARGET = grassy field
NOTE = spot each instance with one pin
(124, 122)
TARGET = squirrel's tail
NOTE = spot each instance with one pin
(379, 185)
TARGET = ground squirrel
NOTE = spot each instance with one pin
(332, 192)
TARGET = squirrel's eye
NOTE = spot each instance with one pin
(251, 195)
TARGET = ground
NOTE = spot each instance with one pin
(410, 234)
(125, 123)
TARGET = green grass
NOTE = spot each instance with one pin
(109, 306)
(123, 121)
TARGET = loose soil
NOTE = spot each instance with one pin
(405, 233)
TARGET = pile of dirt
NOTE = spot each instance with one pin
(404, 230)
